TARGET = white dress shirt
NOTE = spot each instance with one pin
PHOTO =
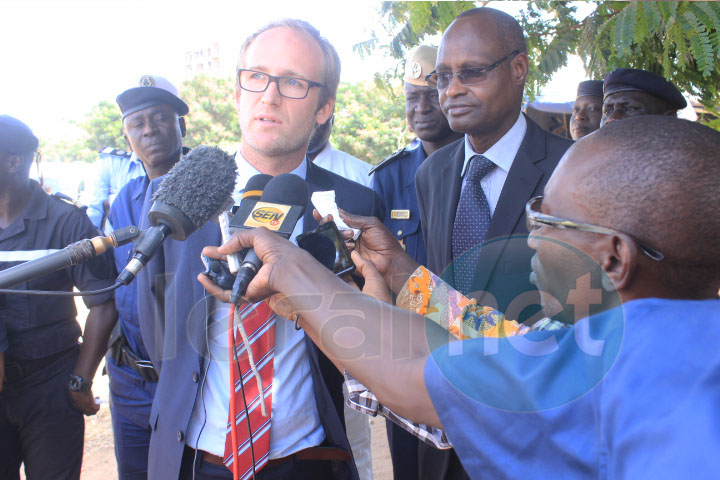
(345, 165)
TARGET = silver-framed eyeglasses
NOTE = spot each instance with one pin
(536, 219)
(467, 76)
(289, 87)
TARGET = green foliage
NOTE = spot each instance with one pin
(409, 24)
(370, 121)
(99, 128)
(103, 125)
(680, 40)
(213, 117)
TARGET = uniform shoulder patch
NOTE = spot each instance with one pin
(61, 197)
(395, 156)
(114, 152)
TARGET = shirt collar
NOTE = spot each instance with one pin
(246, 171)
(503, 152)
(134, 159)
(141, 187)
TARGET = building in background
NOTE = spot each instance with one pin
(210, 59)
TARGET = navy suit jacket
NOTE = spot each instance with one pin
(504, 265)
(174, 322)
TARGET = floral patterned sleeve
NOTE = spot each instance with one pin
(428, 295)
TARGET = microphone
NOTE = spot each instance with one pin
(251, 194)
(282, 204)
(195, 190)
(73, 254)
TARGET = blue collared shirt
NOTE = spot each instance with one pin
(124, 212)
(114, 173)
(652, 413)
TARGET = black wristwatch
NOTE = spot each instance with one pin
(76, 383)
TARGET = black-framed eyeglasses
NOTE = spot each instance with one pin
(467, 76)
(536, 219)
(290, 87)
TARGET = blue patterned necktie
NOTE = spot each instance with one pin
(472, 220)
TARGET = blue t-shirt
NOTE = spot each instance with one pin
(652, 412)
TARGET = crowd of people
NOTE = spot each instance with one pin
(523, 306)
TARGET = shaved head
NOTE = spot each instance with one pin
(508, 30)
(657, 178)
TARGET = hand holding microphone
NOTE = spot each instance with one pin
(280, 207)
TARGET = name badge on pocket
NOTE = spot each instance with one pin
(400, 214)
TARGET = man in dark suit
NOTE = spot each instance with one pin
(475, 189)
(280, 100)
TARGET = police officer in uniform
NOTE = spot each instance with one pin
(154, 126)
(395, 183)
(115, 169)
(587, 109)
(395, 176)
(629, 92)
(48, 374)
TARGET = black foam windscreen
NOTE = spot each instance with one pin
(287, 189)
(255, 186)
(200, 184)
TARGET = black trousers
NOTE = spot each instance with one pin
(290, 470)
(39, 426)
(403, 452)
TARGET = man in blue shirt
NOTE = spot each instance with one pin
(153, 124)
(630, 390)
(116, 169)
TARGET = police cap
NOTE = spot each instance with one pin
(590, 88)
(633, 80)
(151, 90)
(420, 62)
(15, 137)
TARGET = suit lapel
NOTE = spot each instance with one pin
(449, 188)
(522, 180)
(317, 182)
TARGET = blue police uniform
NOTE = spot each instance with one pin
(395, 183)
(116, 169)
(132, 378)
(38, 424)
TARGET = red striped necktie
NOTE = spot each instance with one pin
(258, 322)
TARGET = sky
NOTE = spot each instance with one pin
(61, 57)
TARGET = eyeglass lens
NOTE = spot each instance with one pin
(290, 87)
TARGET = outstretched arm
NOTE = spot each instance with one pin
(351, 328)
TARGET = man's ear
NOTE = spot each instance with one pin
(181, 122)
(325, 112)
(17, 163)
(127, 142)
(237, 95)
(520, 68)
(619, 260)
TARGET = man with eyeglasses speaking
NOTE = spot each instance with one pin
(287, 80)
(475, 189)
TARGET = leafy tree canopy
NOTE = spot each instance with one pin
(213, 118)
(680, 40)
(370, 120)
